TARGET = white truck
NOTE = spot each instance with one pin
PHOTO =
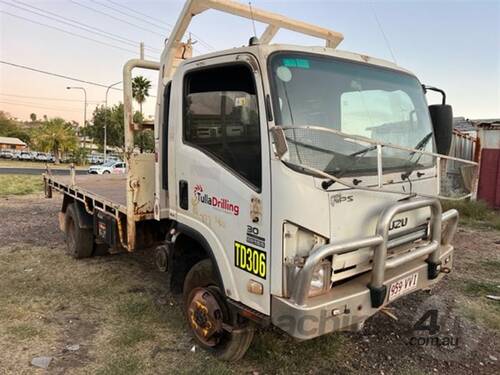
(294, 186)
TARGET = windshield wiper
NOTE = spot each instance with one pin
(420, 145)
(326, 184)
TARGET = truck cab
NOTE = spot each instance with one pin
(263, 216)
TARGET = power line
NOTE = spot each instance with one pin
(41, 107)
(57, 75)
(64, 76)
(14, 101)
(69, 32)
(83, 26)
(161, 27)
(208, 46)
(205, 44)
(47, 98)
(117, 18)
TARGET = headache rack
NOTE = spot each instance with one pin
(275, 22)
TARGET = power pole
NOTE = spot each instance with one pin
(106, 119)
(141, 50)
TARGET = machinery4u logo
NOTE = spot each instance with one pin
(220, 203)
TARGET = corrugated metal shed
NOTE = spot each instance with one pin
(489, 161)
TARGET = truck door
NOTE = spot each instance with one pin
(222, 180)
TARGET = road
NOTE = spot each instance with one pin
(35, 171)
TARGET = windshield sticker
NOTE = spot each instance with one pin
(223, 204)
(240, 101)
(296, 63)
(284, 73)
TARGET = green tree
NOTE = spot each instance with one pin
(56, 136)
(11, 128)
(80, 156)
(113, 119)
(143, 139)
(140, 90)
(33, 117)
(6, 125)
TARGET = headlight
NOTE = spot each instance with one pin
(321, 279)
(298, 242)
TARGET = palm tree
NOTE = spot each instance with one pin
(56, 136)
(140, 90)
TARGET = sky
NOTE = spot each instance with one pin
(454, 45)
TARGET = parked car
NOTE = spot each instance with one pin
(115, 167)
(6, 154)
(25, 155)
(41, 156)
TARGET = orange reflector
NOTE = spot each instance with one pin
(255, 287)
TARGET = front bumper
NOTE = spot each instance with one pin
(349, 304)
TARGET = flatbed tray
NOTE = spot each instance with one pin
(107, 192)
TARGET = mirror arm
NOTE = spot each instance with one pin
(432, 88)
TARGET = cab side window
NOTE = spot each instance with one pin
(221, 118)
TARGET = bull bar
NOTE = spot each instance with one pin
(379, 242)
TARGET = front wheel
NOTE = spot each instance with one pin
(209, 316)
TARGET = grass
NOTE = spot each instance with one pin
(138, 309)
(129, 336)
(23, 331)
(491, 266)
(475, 288)
(34, 164)
(477, 307)
(278, 351)
(20, 185)
(475, 213)
(123, 365)
(215, 368)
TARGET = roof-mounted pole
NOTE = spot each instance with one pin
(332, 38)
(273, 20)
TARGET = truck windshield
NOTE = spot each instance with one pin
(356, 99)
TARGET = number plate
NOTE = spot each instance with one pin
(403, 286)
(250, 259)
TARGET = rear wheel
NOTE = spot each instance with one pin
(100, 249)
(106, 172)
(209, 316)
(79, 241)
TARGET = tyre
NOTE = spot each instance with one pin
(79, 241)
(106, 172)
(100, 249)
(209, 316)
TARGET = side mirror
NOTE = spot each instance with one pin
(442, 122)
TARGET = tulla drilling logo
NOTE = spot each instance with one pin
(217, 202)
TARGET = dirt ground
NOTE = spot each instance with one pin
(114, 314)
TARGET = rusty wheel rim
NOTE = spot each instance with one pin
(205, 316)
